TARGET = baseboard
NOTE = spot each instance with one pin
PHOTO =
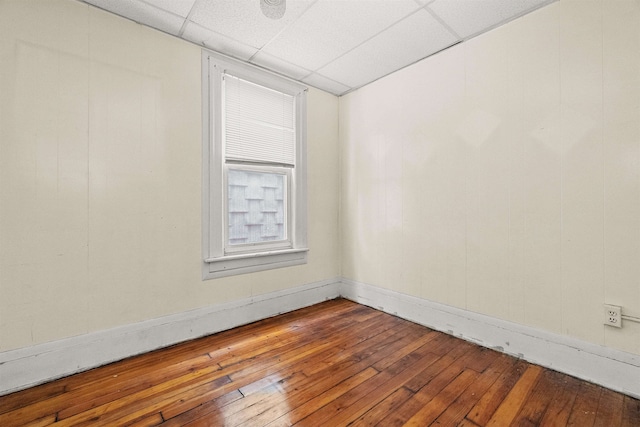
(26, 367)
(614, 369)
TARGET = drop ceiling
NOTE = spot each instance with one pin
(334, 45)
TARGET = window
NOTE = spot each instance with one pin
(254, 169)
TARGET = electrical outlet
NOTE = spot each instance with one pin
(613, 315)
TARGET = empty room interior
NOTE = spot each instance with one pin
(320, 212)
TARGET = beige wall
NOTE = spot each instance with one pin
(100, 177)
(502, 176)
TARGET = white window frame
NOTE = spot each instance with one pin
(219, 259)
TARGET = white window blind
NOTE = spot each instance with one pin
(259, 123)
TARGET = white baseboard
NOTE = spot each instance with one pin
(26, 367)
(614, 369)
(29, 366)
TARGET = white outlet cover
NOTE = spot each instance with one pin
(613, 315)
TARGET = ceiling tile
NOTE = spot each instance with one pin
(336, 45)
(330, 28)
(179, 7)
(278, 65)
(412, 39)
(470, 17)
(243, 21)
(142, 13)
(218, 42)
(326, 84)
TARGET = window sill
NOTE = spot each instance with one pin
(231, 265)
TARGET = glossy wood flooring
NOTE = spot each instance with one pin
(333, 364)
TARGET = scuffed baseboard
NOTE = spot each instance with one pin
(29, 366)
(611, 368)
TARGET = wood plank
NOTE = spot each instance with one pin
(17, 400)
(456, 411)
(418, 344)
(609, 411)
(197, 399)
(129, 384)
(352, 405)
(208, 410)
(508, 409)
(312, 405)
(147, 421)
(329, 375)
(583, 412)
(198, 396)
(390, 338)
(369, 358)
(146, 403)
(425, 376)
(363, 360)
(630, 412)
(41, 422)
(337, 372)
(439, 375)
(387, 405)
(268, 362)
(467, 423)
(442, 400)
(249, 407)
(559, 410)
(258, 345)
(485, 359)
(483, 410)
(539, 399)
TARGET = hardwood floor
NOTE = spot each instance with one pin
(333, 364)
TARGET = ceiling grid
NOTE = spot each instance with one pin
(334, 45)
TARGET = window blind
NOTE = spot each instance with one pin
(259, 123)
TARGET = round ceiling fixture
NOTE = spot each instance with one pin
(273, 9)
